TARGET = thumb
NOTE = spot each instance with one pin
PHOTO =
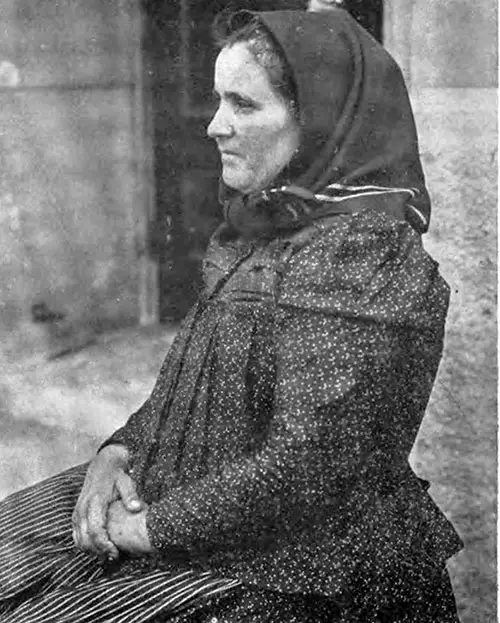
(128, 493)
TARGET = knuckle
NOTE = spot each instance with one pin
(76, 516)
(95, 500)
(84, 544)
(97, 509)
(102, 544)
(123, 484)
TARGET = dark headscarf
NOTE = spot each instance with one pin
(358, 136)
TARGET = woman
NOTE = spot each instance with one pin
(267, 478)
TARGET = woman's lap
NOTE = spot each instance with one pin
(43, 578)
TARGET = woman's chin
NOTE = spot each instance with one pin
(243, 184)
(237, 184)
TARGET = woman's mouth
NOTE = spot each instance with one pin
(228, 155)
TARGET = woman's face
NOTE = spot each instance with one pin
(255, 131)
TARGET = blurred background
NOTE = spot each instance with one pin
(108, 195)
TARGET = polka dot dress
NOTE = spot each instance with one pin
(274, 447)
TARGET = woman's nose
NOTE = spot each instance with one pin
(220, 126)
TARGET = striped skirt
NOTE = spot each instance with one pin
(45, 579)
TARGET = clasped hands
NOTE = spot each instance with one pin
(109, 516)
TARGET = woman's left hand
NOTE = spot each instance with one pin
(128, 530)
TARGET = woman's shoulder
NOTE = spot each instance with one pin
(357, 243)
(366, 263)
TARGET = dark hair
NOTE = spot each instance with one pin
(244, 27)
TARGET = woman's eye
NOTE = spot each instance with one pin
(243, 105)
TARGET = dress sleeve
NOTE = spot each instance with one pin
(338, 353)
(138, 429)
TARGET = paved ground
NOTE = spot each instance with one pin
(56, 412)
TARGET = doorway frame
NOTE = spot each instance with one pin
(149, 285)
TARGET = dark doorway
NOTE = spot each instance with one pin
(184, 162)
(369, 13)
(179, 62)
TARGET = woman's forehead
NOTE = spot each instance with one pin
(236, 70)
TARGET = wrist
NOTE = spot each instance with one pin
(115, 455)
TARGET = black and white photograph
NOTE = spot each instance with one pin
(248, 321)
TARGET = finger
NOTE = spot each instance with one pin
(97, 536)
(76, 523)
(102, 546)
(74, 534)
(128, 493)
(80, 528)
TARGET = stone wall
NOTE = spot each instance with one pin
(69, 185)
(456, 448)
(73, 201)
(444, 44)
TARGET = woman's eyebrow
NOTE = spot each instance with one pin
(233, 94)
(238, 95)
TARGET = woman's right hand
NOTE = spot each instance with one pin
(105, 482)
